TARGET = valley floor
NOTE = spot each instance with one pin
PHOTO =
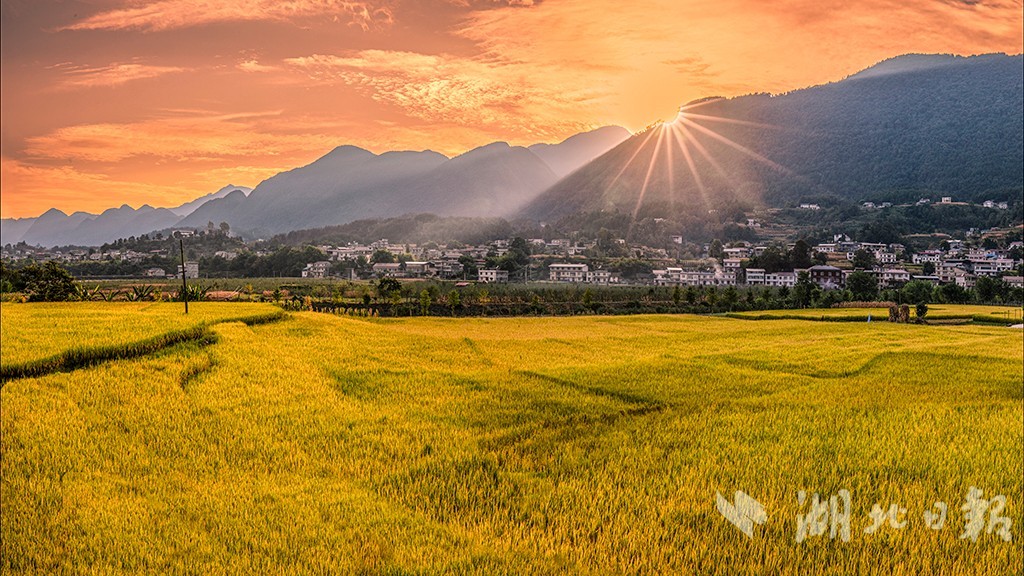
(577, 445)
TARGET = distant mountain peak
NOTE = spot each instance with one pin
(53, 212)
(907, 63)
(346, 151)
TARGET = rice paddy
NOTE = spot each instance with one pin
(577, 445)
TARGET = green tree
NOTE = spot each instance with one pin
(382, 256)
(917, 291)
(691, 295)
(953, 294)
(864, 259)
(711, 296)
(928, 268)
(800, 256)
(988, 288)
(730, 296)
(862, 286)
(387, 288)
(49, 283)
(425, 301)
(715, 250)
(772, 260)
(468, 265)
(588, 297)
(805, 291)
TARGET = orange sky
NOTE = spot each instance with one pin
(106, 102)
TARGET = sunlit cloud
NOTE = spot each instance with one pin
(254, 65)
(451, 89)
(659, 53)
(46, 185)
(114, 74)
(171, 14)
(175, 137)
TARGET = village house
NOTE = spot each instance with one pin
(316, 269)
(387, 269)
(827, 277)
(568, 272)
(933, 256)
(779, 279)
(600, 277)
(755, 276)
(684, 277)
(191, 269)
(418, 269)
(891, 277)
(492, 276)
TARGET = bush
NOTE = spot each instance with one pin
(48, 283)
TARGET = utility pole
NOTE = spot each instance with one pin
(184, 284)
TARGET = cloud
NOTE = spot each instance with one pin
(114, 74)
(648, 57)
(253, 65)
(172, 14)
(449, 89)
(177, 137)
(41, 186)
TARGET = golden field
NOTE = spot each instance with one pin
(322, 444)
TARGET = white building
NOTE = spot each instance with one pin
(732, 265)
(568, 272)
(755, 276)
(316, 269)
(991, 267)
(933, 256)
(492, 276)
(191, 269)
(681, 276)
(387, 269)
(601, 277)
(419, 269)
(787, 279)
(891, 276)
(885, 257)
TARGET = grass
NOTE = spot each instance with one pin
(582, 445)
(42, 338)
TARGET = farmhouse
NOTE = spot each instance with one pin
(492, 276)
(827, 277)
(316, 269)
(568, 272)
(387, 269)
(191, 269)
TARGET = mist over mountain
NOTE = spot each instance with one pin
(345, 185)
(351, 184)
(574, 152)
(55, 228)
(190, 207)
(945, 124)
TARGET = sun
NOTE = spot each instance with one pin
(680, 117)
